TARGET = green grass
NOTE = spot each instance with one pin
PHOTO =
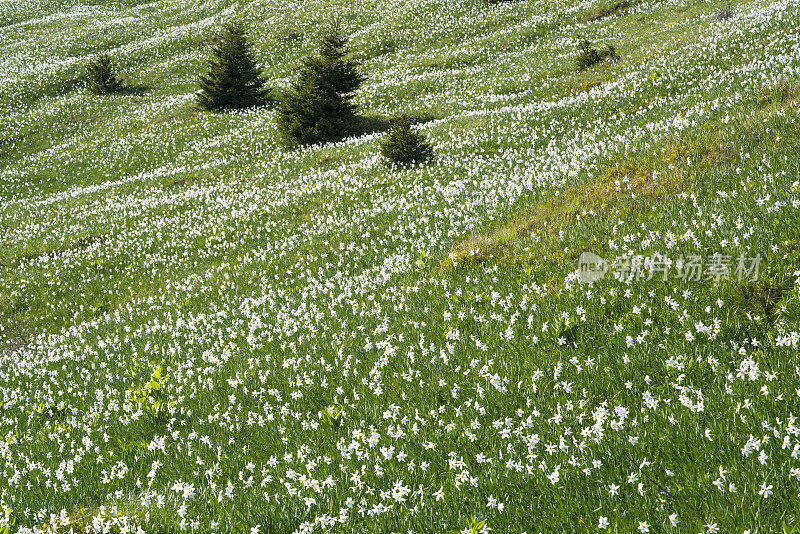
(315, 313)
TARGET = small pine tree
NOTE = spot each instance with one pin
(404, 146)
(101, 76)
(333, 66)
(319, 107)
(312, 114)
(233, 80)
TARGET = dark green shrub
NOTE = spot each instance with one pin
(614, 9)
(589, 56)
(725, 13)
(101, 76)
(312, 114)
(404, 146)
(233, 80)
(333, 65)
(319, 107)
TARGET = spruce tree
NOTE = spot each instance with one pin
(319, 107)
(313, 114)
(233, 80)
(101, 77)
(333, 65)
(404, 146)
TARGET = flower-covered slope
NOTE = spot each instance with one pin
(203, 333)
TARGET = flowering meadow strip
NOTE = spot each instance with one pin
(204, 333)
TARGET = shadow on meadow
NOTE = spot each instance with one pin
(134, 90)
(617, 8)
(369, 124)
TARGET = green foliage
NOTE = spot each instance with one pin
(101, 76)
(233, 80)
(53, 410)
(7, 520)
(614, 9)
(475, 525)
(151, 397)
(312, 114)
(566, 332)
(589, 56)
(725, 13)
(404, 146)
(333, 416)
(319, 107)
(761, 297)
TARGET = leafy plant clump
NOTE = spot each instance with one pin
(233, 80)
(589, 56)
(101, 75)
(319, 107)
(609, 11)
(724, 13)
(404, 146)
(151, 398)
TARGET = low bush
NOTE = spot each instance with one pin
(404, 146)
(724, 13)
(609, 11)
(101, 76)
(589, 56)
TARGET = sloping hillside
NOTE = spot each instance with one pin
(200, 331)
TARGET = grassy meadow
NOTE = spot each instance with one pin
(202, 332)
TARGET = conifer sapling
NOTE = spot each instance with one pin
(233, 80)
(404, 146)
(101, 76)
(319, 107)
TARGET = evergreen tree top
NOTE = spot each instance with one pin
(331, 68)
(333, 45)
(319, 107)
(233, 79)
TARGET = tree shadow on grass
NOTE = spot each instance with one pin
(369, 124)
(134, 90)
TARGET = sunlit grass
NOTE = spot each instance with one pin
(200, 331)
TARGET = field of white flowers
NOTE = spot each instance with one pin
(200, 332)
